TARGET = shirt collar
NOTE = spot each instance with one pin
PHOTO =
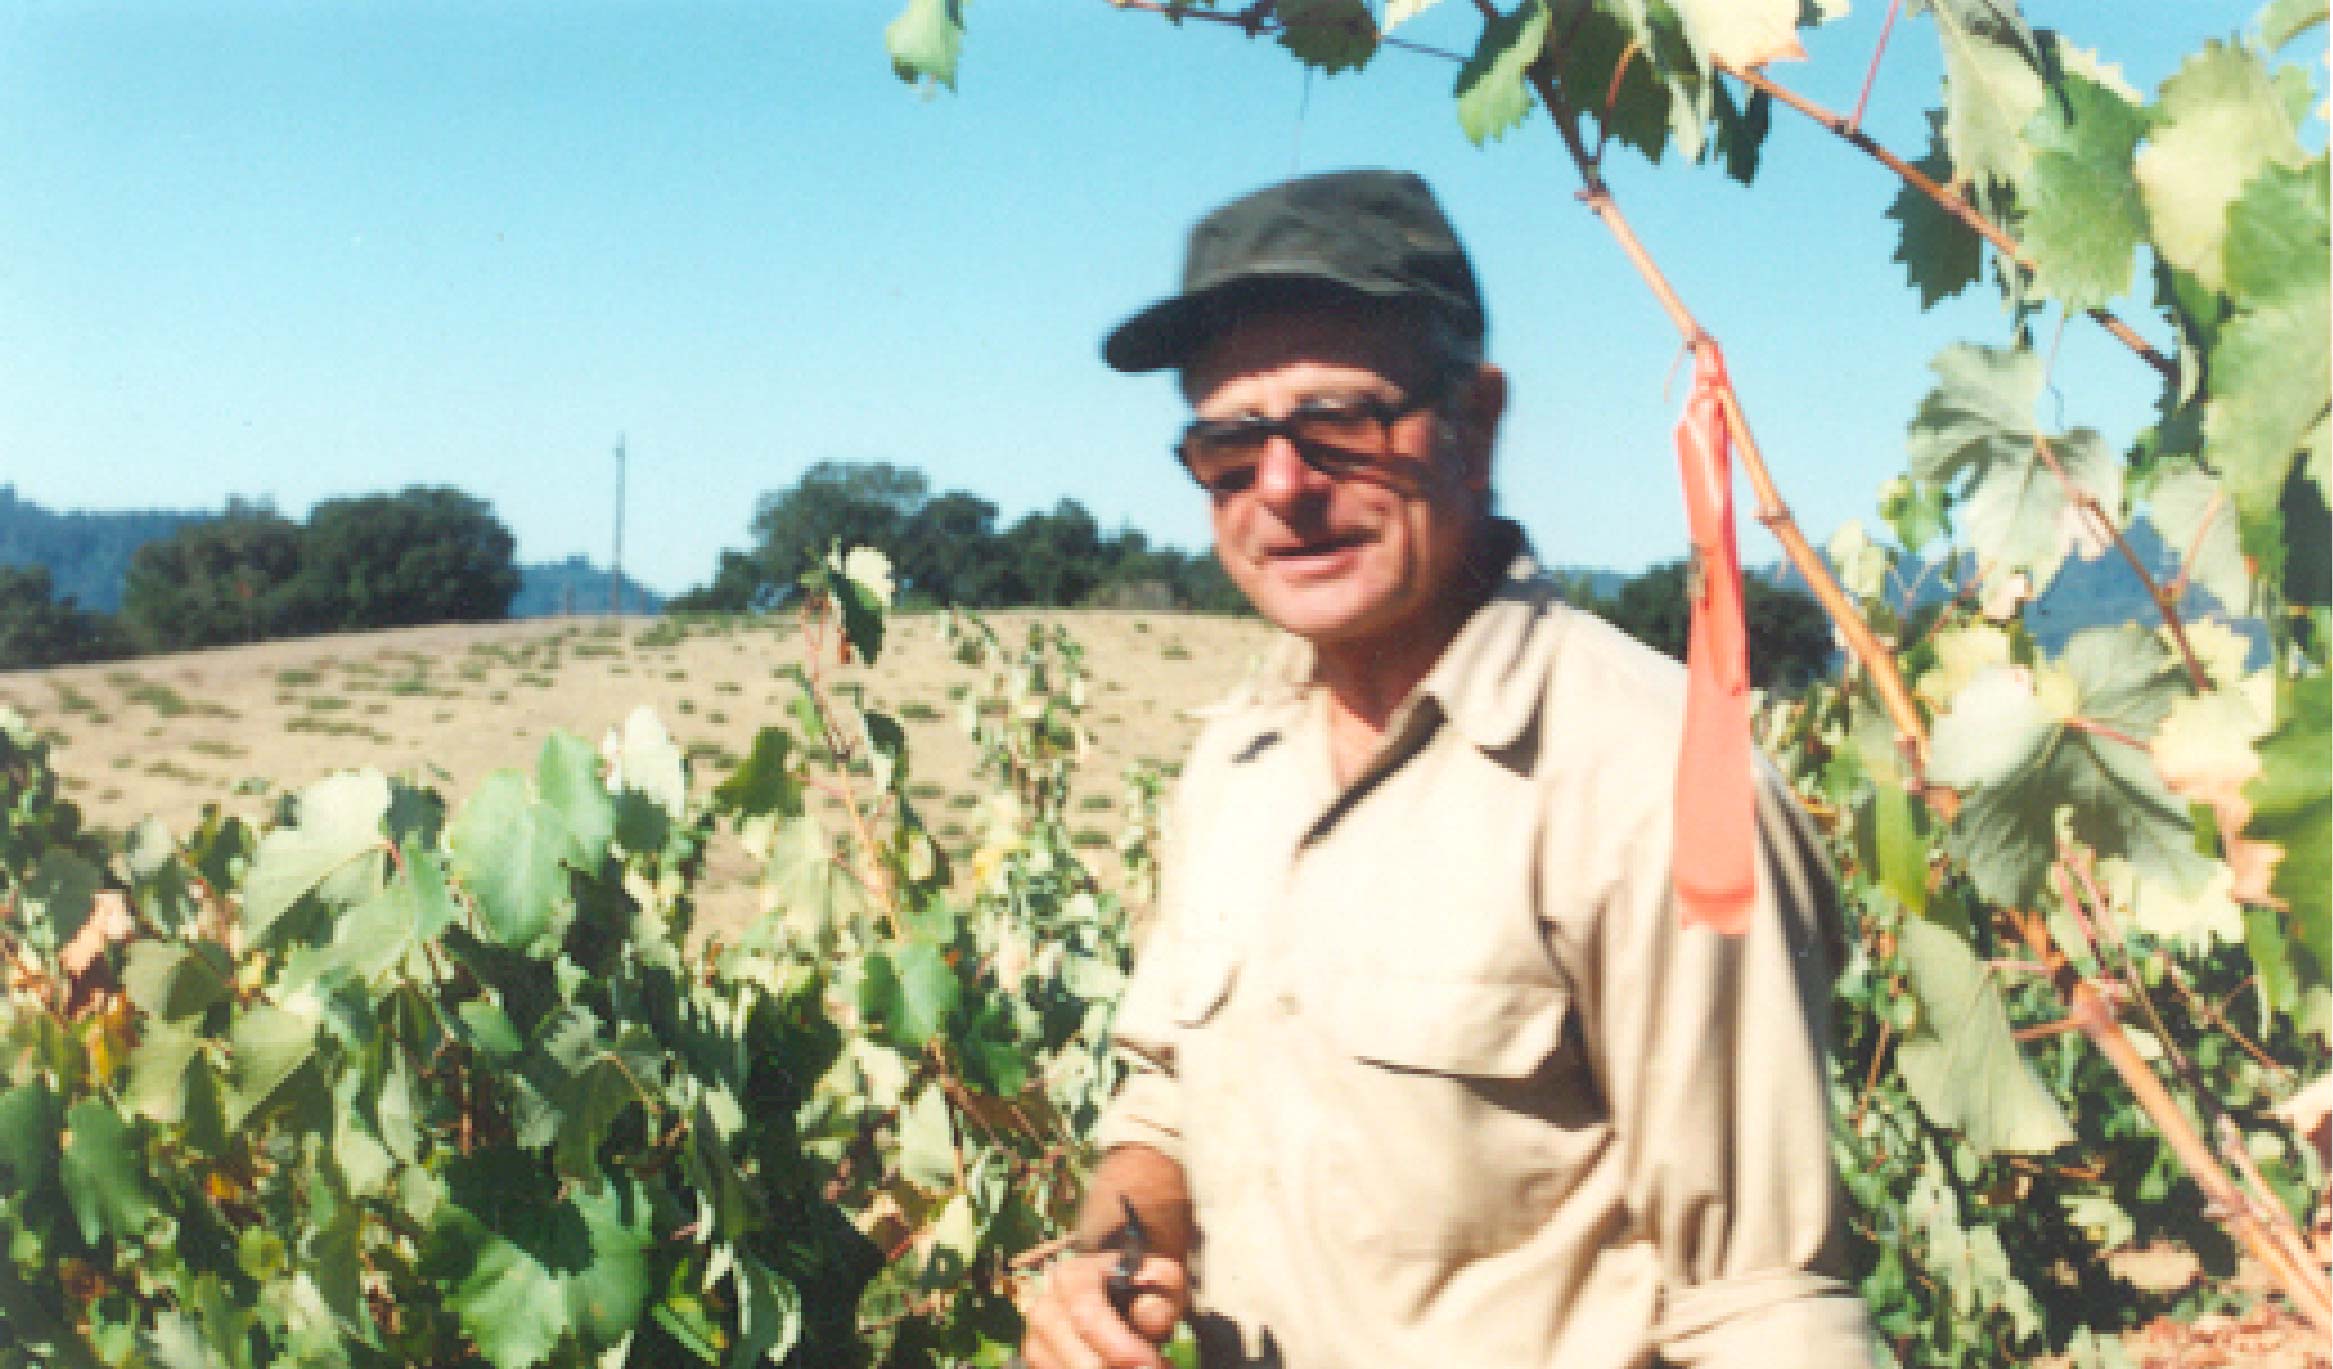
(1488, 682)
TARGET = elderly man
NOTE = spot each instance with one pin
(1424, 1068)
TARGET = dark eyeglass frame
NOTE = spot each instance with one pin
(1304, 428)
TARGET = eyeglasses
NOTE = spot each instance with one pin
(1337, 437)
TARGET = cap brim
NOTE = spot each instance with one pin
(1170, 332)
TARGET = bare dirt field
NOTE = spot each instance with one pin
(446, 705)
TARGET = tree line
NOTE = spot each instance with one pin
(432, 554)
(426, 554)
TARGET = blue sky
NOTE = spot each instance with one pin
(295, 248)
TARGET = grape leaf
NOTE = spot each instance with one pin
(1975, 433)
(1333, 35)
(334, 844)
(1993, 88)
(2269, 396)
(927, 1144)
(910, 993)
(1636, 110)
(1743, 33)
(765, 782)
(2083, 221)
(2020, 755)
(2218, 121)
(1398, 12)
(1494, 93)
(645, 761)
(375, 939)
(567, 774)
(267, 1045)
(2284, 20)
(2292, 807)
(28, 1137)
(103, 1173)
(606, 1295)
(1942, 255)
(926, 40)
(2277, 230)
(62, 889)
(769, 1315)
(2191, 510)
(172, 980)
(156, 1089)
(1961, 1061)
(511, 1306)
(509, 850)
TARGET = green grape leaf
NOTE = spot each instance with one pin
(927, 1142)
(28, 1137)
(568, 776)
(1494, 93)
(2218, 121)
(804, 878)
(594, 1083)
(953, 1240)
(2268, 404)
(926, 40)
(769, 1315)
(379, 937)
(765, 782)
(910, 993)
(511, 1306)
(1993, 88)
(1975, 434)
(606, 1295)
(103, 1174)
(1961, 1061)
(2083, 220)
(171, 980)
(1636, 110)
(2277, 230)
(335, 846)
(2191, 509)
(156, 1089)
(266, 1045)
(61, 890)
(1914, 512)
(2292, 808)
(1333, 35)
(510, 851)
(2020, 755)
(1942, 255)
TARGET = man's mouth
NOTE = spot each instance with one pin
(1315, 548)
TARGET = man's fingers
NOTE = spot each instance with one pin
(1073, 1326)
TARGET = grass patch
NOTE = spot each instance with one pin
(1176, 651)
(686, 706)
(213, 747)
(727, 687)
(594, 650)
(326, 703)
(72, 700)
(164, 700)
(536, 679)
(963, 801)
(711, 753)
(499, 696)
(1094, 803)
(172, 770)
(716, 717)
(1089, 838)
(297, 677)
(334, 727)
(926, 791)
(917, 711)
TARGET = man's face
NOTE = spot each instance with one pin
(1372, 553)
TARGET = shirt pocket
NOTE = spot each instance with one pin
(1466, 1027)
(1448, 1121)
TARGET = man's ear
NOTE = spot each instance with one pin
(1482, 403)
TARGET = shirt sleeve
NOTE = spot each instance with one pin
(1147, 1108)
(1711, 1049)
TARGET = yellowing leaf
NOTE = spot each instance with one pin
(2219, 121)
(1743, 33)
(1962, 654)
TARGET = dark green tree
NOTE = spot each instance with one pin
(39, 629)
(424, 555)
(1790, 639)
(846, 503)
(948, 552)
(229, 579)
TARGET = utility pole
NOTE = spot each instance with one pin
(616, 567)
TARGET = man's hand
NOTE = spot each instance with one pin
(1073, 1326)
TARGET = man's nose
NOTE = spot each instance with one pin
(1283, 476)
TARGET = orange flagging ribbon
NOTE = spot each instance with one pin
(1714, 862)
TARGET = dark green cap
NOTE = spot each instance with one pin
(1376, 235)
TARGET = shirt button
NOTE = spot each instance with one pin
(1284, 1003)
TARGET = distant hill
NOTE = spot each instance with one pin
(550, 588)
(88, 556)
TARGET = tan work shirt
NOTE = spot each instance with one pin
(1449, 1083)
